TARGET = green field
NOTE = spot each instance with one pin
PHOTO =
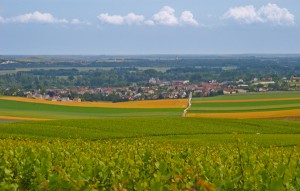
(175, 129)
(147, 149)
(3, 72)
(157, 153)
(37, 110)
(265, 102)
(254, 95)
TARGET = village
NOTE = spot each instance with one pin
(161, 89)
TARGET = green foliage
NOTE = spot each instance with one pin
(144, 165)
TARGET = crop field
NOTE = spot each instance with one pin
(157, 153)
(255, 105)
(256, 96)
(174, 129)
(97, 148)
(16, 110)
(166, 103)
(4, 72)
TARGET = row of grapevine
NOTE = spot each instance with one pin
(139, 164)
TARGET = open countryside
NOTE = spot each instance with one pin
(273, 105)
(149, 129)
(149, 95)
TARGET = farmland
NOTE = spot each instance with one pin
(255, 105)
(167, 103)
(156, 153)
(17, 109)
(174, 129)
(98, 148)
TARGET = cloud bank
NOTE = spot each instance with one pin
(130, 18)
(270, 13)
(35, 17)
(166, 16)
(40, 17)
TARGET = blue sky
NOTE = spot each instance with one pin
(149, 26)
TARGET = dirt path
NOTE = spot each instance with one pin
(189, 106)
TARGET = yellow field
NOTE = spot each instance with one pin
(22, 118)
(166, 103)
(249, 115)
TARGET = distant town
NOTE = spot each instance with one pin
(118, 79)
(161, 89)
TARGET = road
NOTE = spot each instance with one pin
(189, 106)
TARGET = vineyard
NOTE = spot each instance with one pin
(145, 165)
(93, 148)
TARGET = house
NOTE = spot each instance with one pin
(46, 97)
(242, 91)
(243, 85)
(229, 91)
(64, 99)
(267, 79)
(55, 98)
(186, 82)
(265, 83)
(151, 91)
(295, 79)
(240, 81)
(77, 99)
(263, 89)
(191, 87)
(37, 96)
(153, 81)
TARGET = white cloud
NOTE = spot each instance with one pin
(130, 19)
(79, 22)
(270, 13)
(188, 18)
(276, 15)
(35, 17)
(111, 19)
(149, 22)
(246, 14)
(39, 17)
(2, 20)
(166, 16)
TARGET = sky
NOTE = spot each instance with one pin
(138, 27)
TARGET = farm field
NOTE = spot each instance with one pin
(255, 105)
(174, 129)
(157, 153)
(3, 72)
(254, 95)
(166, 103)
(11, 109)
(97, 148)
